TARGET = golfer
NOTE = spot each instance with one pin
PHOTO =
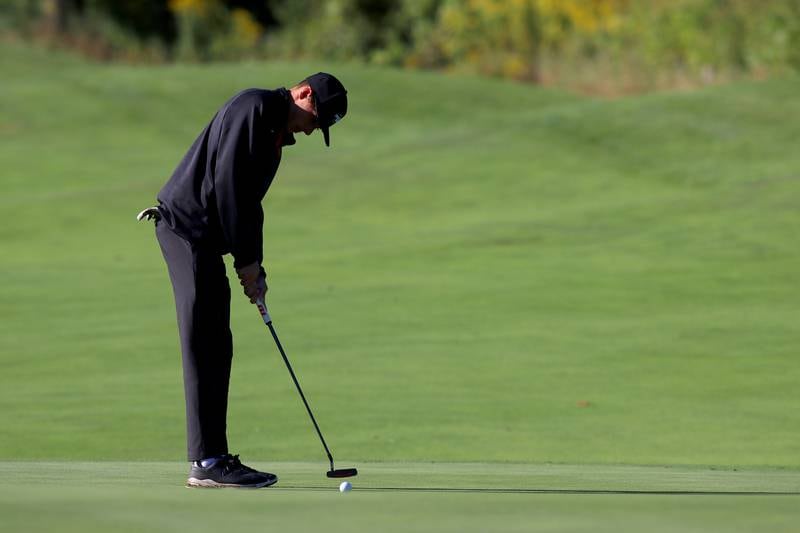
(211, 206)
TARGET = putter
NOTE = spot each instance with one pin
(342, 472)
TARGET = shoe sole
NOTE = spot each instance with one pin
(211, 484)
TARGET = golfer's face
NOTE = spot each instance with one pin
(309, 122)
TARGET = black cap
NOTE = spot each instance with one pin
(330, 98)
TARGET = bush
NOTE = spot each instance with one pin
(18, 16)
(630, 44)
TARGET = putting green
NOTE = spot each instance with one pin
(497, 283)
(433, 477)
(103, 496)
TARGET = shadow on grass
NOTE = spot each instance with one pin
(548, 491)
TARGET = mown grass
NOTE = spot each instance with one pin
(475, 271)
(100, 496)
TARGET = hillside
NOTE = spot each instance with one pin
(475, 271)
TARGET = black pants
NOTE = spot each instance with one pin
(202, 302)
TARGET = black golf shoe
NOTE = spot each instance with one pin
(228, 471)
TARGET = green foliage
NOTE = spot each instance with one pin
(18, 15)
(208, 30)
(532, 39)
(599, 44)
(147, 19)
(198, 24)
(378, 31)
(100, 36)
(693, 35)
(315, 28)
(496, 40)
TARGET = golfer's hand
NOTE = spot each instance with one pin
(253, 281)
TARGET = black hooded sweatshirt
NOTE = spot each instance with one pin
(213, 198)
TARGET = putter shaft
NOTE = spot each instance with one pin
(300, 390)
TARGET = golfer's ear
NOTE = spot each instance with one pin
(305, 92)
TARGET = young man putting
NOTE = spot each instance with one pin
(211, 206)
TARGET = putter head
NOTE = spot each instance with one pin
(342, 472)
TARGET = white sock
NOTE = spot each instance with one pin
(208, 462)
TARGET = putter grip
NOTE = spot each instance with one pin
(262, 308)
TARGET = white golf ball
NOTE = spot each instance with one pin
(345, 486)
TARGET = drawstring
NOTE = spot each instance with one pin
(151, 213)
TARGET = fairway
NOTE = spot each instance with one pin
(401, 497)
(511, 308)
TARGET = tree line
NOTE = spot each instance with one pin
(624, 44)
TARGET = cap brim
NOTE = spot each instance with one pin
(326, 135)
